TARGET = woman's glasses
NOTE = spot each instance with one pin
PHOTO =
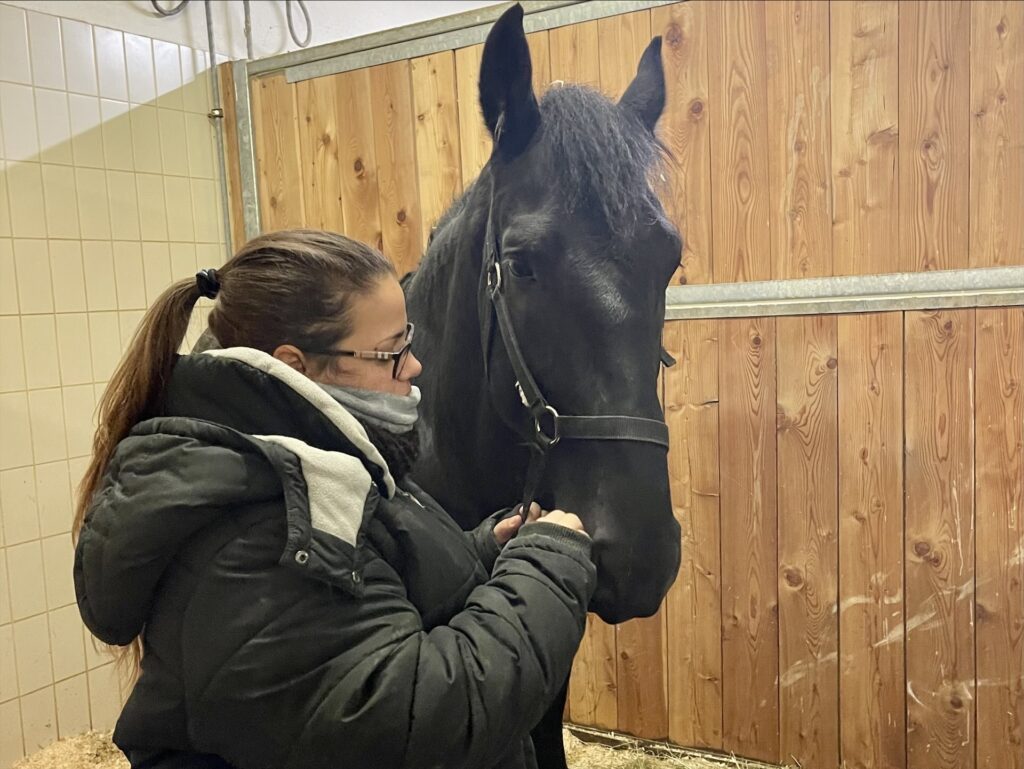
(398, 358)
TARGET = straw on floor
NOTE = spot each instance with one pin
(94, 750)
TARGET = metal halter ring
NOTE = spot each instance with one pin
(548, 440)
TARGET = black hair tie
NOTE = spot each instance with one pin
(207, 283)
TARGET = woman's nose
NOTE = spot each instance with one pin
(412, 369)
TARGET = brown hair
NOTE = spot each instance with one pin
(289, 287)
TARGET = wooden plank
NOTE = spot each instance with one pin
(739, 141)
(935, 39)
(573, 54)
(357, 158)
(318, 148)
(747, 458)
(799, 150)
(474, 138)
(694, 603)
(593, 700)
(999, 468)
(685, 130)
(276, 145)
(865, 138)
(437, 135)
(640, 675)
(640, 666)
(395, 146)
(621, 42)
(540, 58)
(231, 157)
(997, 125)
(939, 448)
(639, 645)
(808, 467)
(871, 683)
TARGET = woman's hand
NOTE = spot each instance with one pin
(506, 529)
(562, 518)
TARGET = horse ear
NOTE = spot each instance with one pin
(506, 84)
(645, 96)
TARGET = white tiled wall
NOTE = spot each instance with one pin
(108, 192)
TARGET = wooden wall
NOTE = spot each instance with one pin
(850, 488)
(853, 583)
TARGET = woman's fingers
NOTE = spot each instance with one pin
(506, 529)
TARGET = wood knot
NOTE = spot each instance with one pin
(401, 216)
(756, 341)
(948, 325)
(697, 108)
(326, 140)
(309, 118)
(682, 279)
(273, 201)
(358, 165)
(864, 455)
(793, 577)
(922, 549)
(674, 35)
(1001, 28)
(956, 702)
(832, 362)
(799, 146)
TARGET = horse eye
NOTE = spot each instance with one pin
(519, 268)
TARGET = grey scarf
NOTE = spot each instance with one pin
(394, 413)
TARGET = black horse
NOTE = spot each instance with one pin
(563, 228)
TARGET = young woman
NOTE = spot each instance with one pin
(286, 595)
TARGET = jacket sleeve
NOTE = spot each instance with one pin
(361, 683)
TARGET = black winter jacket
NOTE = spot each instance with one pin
(298, 609)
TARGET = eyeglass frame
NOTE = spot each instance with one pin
(398, 356)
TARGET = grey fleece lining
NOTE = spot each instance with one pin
(337, 483)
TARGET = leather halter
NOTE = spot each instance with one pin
(549, 426)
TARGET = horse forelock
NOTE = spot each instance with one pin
(603, 161)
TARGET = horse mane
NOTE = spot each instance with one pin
(603, 159)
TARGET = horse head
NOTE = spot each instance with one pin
(566, 208)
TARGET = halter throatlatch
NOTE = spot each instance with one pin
(549, 426)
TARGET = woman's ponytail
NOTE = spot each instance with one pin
(134, 393)
(136, 389)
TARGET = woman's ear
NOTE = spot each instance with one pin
(292, 356)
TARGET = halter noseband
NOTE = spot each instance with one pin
(549, 426)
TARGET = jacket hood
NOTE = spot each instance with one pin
(240, 429)
(257, 394)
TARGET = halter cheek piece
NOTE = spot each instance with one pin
(549, 427)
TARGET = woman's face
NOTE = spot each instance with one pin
(379, 323)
